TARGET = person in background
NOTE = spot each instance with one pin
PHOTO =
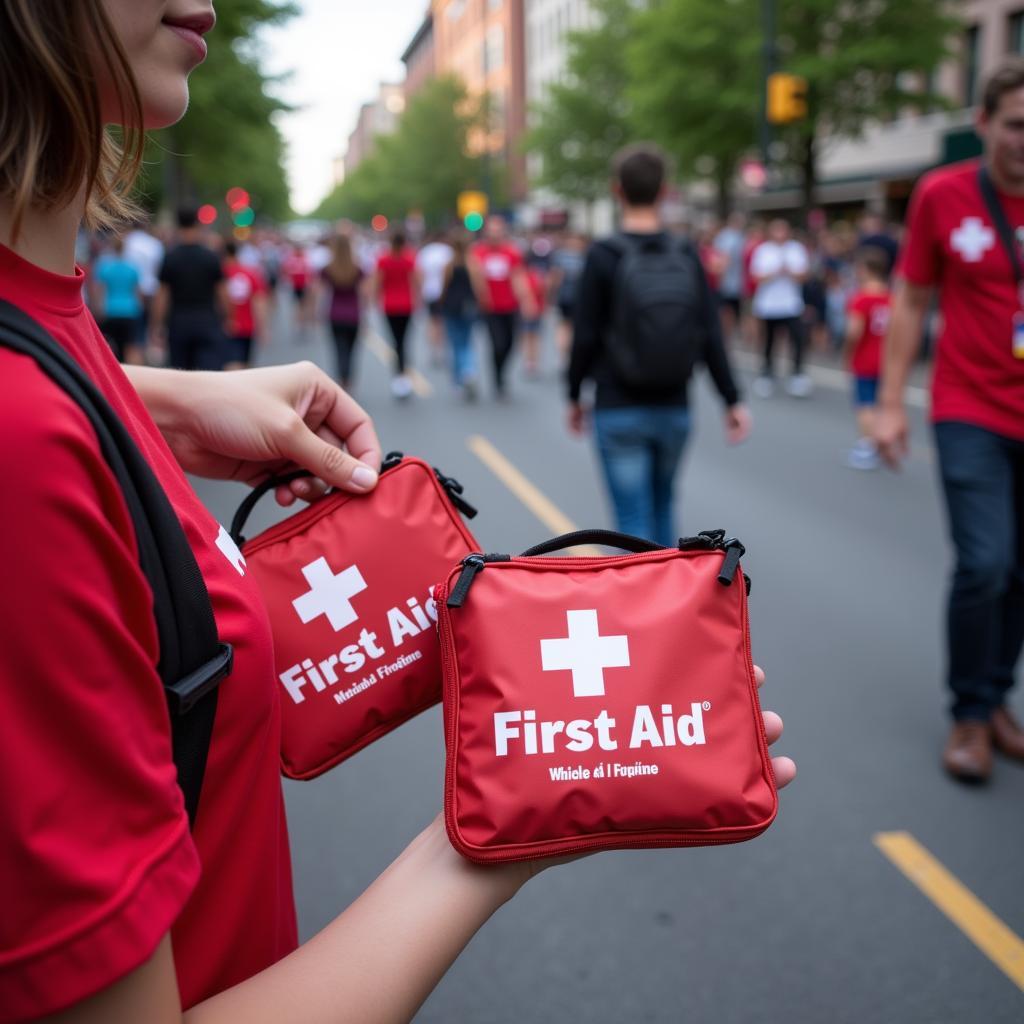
(343, 278)
(779, 267)
(874, 233)
(537, 279)
(296, 271)
(756, 234)
(505, 295)
(566, 267)
(247, 308)
(728, 243)
(191, 302)
(867, 320)
(460, 308)
(396, 283)
(117, 298)
(145, 252)
(431, 262)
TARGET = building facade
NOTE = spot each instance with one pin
(419, 58)
(378, 117)
(481, 42)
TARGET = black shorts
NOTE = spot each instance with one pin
(434, 309)
(121, 332)
(566, 310)
(299, 291)
(238, 349)
(730, 302)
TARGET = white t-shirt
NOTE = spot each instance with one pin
(779, 297)
(431, 263)
(145, 252)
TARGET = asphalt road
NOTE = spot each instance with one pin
(812, 922)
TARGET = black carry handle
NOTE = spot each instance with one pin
(609, 538)
(193, 661)
(252, 498)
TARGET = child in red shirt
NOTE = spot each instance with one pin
(867, 320)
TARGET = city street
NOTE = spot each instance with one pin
(819, 919)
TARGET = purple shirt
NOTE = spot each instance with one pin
(344, 300)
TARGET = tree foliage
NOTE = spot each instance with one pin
(582, 121)
(423, 166)
(228, 137)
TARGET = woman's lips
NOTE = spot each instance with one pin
(190, 36)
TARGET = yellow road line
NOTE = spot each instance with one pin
(541, 506)
(998, 942)
(386, 354)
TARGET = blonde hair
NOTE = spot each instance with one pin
(53, 142)
(342, 270)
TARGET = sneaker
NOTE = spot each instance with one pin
(799, 385)
(863, 455)
(401, 386)
(763, 386)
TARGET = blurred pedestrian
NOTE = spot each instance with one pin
(533, 326)
(566, 268)
(298, 273)
(645, 318)
(117, 301)
(431, 262)
(247, 308)
(191, 301)
(729, 244)
(460, 309)
(875, 233)
(145, 252)
(344, 278)
(779, 267)
(866, 325)
(506, 293)
(396, 283)
(964, 231)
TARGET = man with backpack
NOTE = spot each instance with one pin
(644, 319)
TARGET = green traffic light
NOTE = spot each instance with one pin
(473, 221)
(244, 218)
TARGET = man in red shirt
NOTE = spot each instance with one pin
(507, 292)
(964, 232)
(247, 308)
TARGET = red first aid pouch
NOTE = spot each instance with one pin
(348, 584)
(601, 703)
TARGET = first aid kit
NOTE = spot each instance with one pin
(601, 702)
(348, 584)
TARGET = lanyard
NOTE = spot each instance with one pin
(1002, 225)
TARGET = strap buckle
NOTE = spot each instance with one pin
(183, 695)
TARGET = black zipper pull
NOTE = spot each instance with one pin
(391, 460)
(471, 565)
(453, 489)
(734, 551)
(706, 540)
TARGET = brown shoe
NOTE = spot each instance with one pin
(1007, 734)
(968, 753)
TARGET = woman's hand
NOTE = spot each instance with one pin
(250, 424)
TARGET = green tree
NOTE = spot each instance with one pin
(582, 121)
(228, 136)
(423, 166)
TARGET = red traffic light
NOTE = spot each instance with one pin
(207, 214)
(237, 198)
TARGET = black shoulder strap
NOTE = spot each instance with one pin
(192, 660)
(1002, 224)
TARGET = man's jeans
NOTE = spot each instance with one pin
(640, 449)
(983, 479)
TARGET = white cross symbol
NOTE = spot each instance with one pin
(972, 239)
(585, 653)
(229, 549)
(330, 595)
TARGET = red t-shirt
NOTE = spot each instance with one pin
(952, 243)
(243, 285)
(96, 859)
(538, 285)
(296, 269)
(497, 262)
(396, 271)
(866, 359)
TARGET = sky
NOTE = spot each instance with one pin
(337, 51)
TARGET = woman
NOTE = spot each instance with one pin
(98, 869)
(119, 299)
(459, 308)
(396, 283)
(343, 278)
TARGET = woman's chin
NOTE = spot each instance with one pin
(160, 110)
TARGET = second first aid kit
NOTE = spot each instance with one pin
(601, 702)
(348, 584)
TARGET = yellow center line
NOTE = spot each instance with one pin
(540, 505)
(991, 935)
(386, 354)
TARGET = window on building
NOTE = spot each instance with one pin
(971, 55)
(1015, 33)
(494, 49)
(455, 10)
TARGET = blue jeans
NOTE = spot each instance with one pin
(640, 449)
(460, 337)
(983, 480)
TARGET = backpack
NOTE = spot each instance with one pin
(193, 661)
(656, 335)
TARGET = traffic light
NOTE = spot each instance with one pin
(472, 207)
(787, 98)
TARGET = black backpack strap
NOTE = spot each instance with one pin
(192, 659)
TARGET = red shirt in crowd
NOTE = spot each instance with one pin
(538, 285)
(498, 261)
(296, 268)
(96, 859)
(866, 358)
(952, 243)
(243, 285)
(396, 272)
